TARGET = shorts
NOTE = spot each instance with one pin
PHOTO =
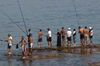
(63, 37)
(81, 36)
(74, 39)
(86, 36)
(69, 39)
(31, 45)
(49, 39)
(90, 37)
(9, 46)
(23, 49)
(40, 40)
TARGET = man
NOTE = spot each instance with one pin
(63, 32)
(23, 44)
(69, 36)
(29, 33)
(31, 44)
(9, 43)
(39, 39)
(49, 38)
(59, 38)
(91, 35)
(74, 37)
(86, 34)
(81, 31)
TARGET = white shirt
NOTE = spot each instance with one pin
(91, 33)
(10, 42)
(49, 33)
(69, 33)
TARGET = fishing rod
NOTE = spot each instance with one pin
(76, 14)
(13, 22)
(19, 5)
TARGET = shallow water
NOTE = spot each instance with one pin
(48, 13)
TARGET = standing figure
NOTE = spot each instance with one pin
(23, 44)
(39, 39)
(63, 32)
(49, 38)
(81, 31)
(59, 38)
(91, 35)
(69, 37)
(86, 34)
(31, 44)
(9, 43)
(74, 37)
(29, 32)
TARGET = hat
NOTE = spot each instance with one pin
(90, 27)
(69, 28)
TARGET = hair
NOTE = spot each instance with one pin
(79, 27)
(62, 27)
(48, 28)
(40, 29)
(29, 30)
(74, 29)
(85, 27)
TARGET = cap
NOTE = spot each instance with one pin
(90, 27)
(69, 28)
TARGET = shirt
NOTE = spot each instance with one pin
(69, 33)
(49, 33)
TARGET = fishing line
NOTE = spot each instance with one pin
(13, 22)
(76, 14)
(19, 5)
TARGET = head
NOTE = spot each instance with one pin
(48, 29)
(9, 35)
(90, 28)
(40, 30)
(29, 30)
(62, 27)
(85, 27)
(74, 29)
(79, 27)
(69, 29)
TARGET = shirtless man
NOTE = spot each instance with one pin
(39, 39)
(86, 34)
(9, 43)
(63, 32)
(31, 44)
(23, 42)
(81, 31)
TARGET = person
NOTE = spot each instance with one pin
(49, 38)
(9, 43)
(91, 35)
(39, 39)
(81, 31)
(31, 44)
(63, 33)
(69, 36)
(23, 44)
(29, 33)
(86, 35)
(58, 38)
(74, 37)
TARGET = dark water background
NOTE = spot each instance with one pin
(48, 13)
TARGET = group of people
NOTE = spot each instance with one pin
(62, 36)
(85, 35)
